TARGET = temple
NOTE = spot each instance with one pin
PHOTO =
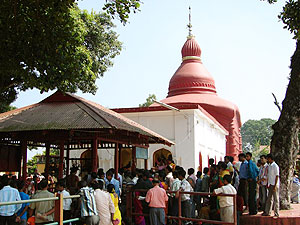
(202, 124)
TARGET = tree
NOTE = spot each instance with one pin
(257, 131)
(150, 100)
(121, 8)
(285, 142)
(32, 164)
(5, 107)
(53, 45)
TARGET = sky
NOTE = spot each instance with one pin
(243, 43)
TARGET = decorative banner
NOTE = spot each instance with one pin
(141, 153)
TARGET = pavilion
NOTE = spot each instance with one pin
(64, 121)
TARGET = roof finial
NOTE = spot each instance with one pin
(190, 23)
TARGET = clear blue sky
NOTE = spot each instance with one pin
(243, 46)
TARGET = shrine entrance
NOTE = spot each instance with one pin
(161, 156)
(86, 161)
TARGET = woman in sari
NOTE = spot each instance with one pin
(139, 220)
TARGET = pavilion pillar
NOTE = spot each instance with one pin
(133, 158)
(68, 160)
(47, 163)
(146, 164)
(120, 155)
(24, 158)
(94, 154)
(116, 160)
(61, 160)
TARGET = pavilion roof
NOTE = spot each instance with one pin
(65, 111)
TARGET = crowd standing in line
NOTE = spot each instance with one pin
(103, 196)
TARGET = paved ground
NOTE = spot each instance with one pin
(286, 217)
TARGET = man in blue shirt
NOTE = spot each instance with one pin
(22, 213)
(243, 174)
(252, 177)
(9, 194)
(110, 180)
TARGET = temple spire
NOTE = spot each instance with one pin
(190, 24)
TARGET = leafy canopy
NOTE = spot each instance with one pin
(290, 16)
(121, 8)
(257, 132)
(53, 45)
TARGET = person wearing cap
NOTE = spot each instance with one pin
(157, 198)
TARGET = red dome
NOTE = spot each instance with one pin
(192, 84)
(191, 77)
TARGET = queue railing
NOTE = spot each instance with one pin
(58, 213)
(179, 218)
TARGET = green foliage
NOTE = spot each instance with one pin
(53, 151)
(149, 101)
(121, 8)
(7, 96)
(5, 108)
(100, 41)
(53, 45)
(32, 164)
(290, 16)
(257, 131)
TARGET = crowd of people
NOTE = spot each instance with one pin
(156, 192)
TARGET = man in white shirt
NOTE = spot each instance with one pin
(169, 177)
(104, 204)
(186, 204)
(173, 201)
(135, 177)
(226, 203)
(60, 186)
(263, 181)
(273, 187)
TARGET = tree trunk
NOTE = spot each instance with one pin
(285, 142)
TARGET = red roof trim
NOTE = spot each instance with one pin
(59, 96)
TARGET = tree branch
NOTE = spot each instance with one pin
(276, 102)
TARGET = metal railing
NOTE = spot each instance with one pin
(58, 213)
(179, 218)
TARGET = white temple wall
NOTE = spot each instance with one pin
(191, 130)
(210, 140)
